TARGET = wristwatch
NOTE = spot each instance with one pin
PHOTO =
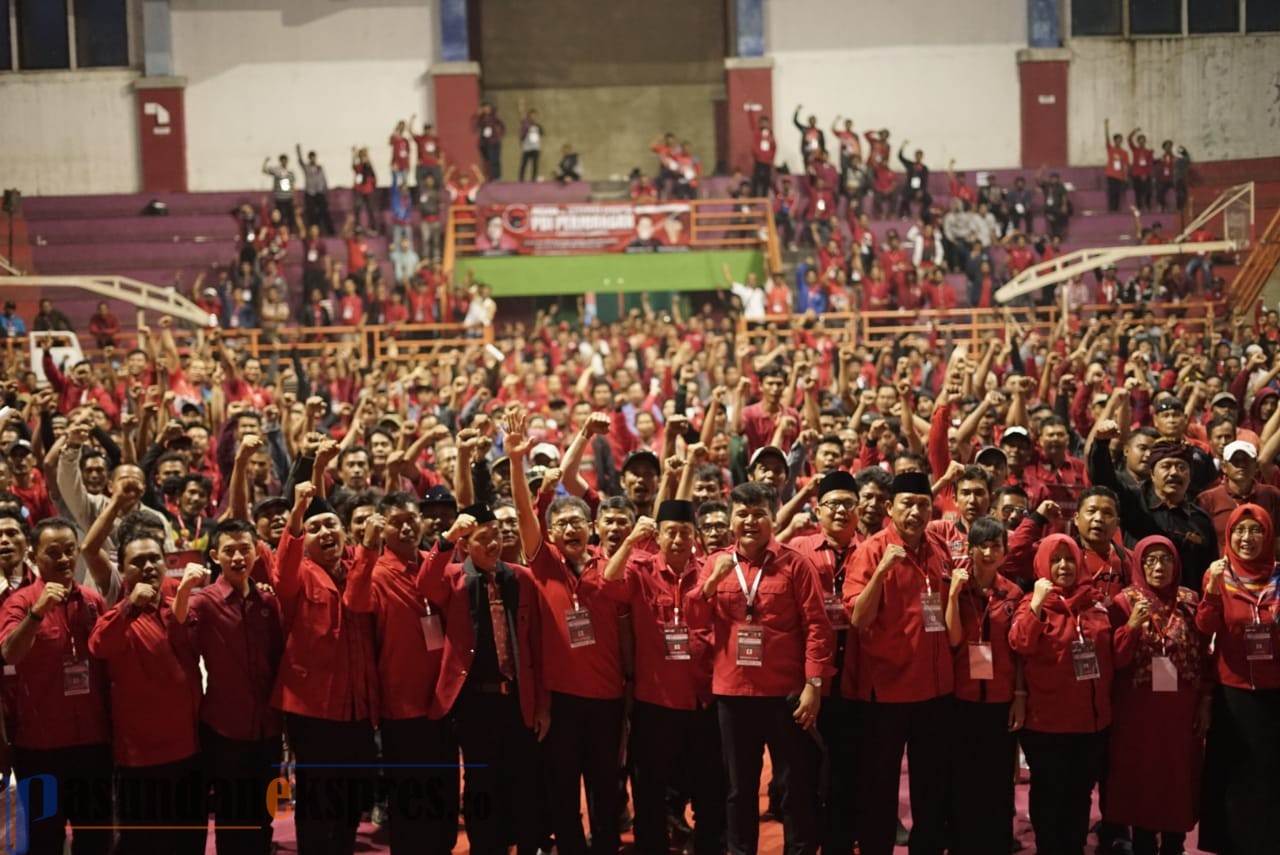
(816, 682)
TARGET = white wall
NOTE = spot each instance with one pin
(69, 132)
(325, 74)
(1218, 95)
(942, 75)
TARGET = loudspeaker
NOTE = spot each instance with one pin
(12, 200)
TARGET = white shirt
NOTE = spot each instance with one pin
(752, 301)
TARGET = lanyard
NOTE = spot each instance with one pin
(572, 581)
(1255, 600)
(1072, 615)
(749, 593)
(674, 590)
(984, 625)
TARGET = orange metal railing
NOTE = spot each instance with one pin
(1258, 267)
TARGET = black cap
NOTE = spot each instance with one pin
(1169, 403)
(18, 448)
(319, 505)
(915, 483)
(480, 512)
(837, 480)
(639, 455)
(271, 505)
(438, 495)
(676, 510)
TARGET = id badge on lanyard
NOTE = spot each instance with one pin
(931, 609)
(581, 632)
(1084, 656)
(75, 674)
(432, 629)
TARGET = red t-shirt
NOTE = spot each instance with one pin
(428, 150)
(399, 152)
(1117, 162)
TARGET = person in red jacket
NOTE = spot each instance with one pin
(409, 641)
(1165, 175)
(327, 684)
(1241, 608)
(62, 727)
(895, 589)
(764, 152)
(674, 724)
(490, 685)
(773, 652)
(1063, 633)
(155, 706)
(1143, 167)
(1117, 168)
(831, 551)
(1160, 702)
(80, 388)
(991, 697)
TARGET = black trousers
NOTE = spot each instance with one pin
(681, 749)
(923, 729)
(747, 727)
(84, 798)
(420, 764)
(491, 154)
(239, 772)
(162, 810)
(1141, 193)
(501, 804)
(315, 212)
(583, 747)
(530, 159)
(367, 202)
(761, 180)
(835, 765)
(1158, 843)
(288, 213)
(1064, 769)
(335, 779)
(982, 761)
(1241, 788)
(1115, 193)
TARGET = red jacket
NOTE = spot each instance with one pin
(328, 666)
(1057, 702)
(987, 620)
(71, 396)
(447, 584)
(1227, 614)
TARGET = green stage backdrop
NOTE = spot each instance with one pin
(537, 276)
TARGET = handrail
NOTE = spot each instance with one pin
(9, 268)
(1217, 206)
(1064, 267)
(143, 295)
(1258, 267)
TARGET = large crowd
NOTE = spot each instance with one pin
(629, 557)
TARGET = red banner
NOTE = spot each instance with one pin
(582, 228)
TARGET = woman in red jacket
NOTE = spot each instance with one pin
(991, 700)
(1241, 605)
(1159, 703)
(1063, 633)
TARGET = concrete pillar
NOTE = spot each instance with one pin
(1042, 79)
(161, 106)
(455, 81)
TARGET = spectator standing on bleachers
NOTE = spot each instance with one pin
(1117, 169)
(401, 213)
(1164, 175)
(531, 133)
(1018, 202)
(1057, 204)
(315, 198)
(850, 147)
(994, 196)
(403, 261)
(916, 187)
(429, 224)
(49, 319)
(489, 131)
(1143, 166)
(429, 154)
(283, 183)
(812, 140)
(316, 263)
(104, 326)
(399, 142)
(764, 152)
(750, 295)
(688, 172)
(1181, 173)
(365, 185)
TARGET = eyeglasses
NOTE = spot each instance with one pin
(576, 522)
(1153, 561)
(839, 505)
(1248, 530)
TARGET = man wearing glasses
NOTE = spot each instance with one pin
(582, 658)
(831, 551)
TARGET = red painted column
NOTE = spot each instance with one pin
(162, 133)
(456, 90)
(1042, 79)
(748, 91)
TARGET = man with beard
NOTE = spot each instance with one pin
(831, 551)
(1096, 524)
(61, 722)
(155, 702)
(583, 658)
(1161, 504)
(895, 590)
(490, 686)
(235, 626)
(409, 645)
(675, 736)
(773, 652)
(1171, 422)
(327, 682)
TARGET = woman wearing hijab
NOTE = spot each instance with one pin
(1063, 633)
(991, 700)
(1159, 703)
(1241, 606)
